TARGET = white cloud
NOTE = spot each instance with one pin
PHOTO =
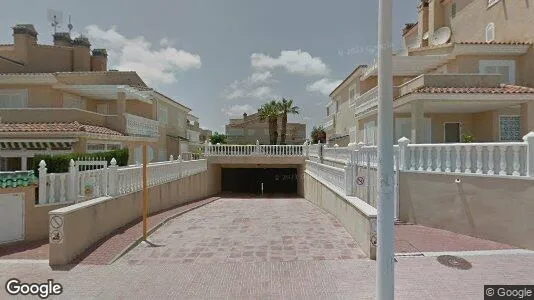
(137, 54)
(294, 61)
(324, 86)
(248, 87)
(238, 110)
(259, 77)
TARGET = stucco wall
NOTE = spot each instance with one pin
(494, 208)
(87, 222)
(357, 217)
(35, 216)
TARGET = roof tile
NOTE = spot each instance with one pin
(56, 127)
(502, 89)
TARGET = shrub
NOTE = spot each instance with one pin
(60, 163)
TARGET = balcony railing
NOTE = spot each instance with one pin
(329, 122)
(367, 100)
(136, 125)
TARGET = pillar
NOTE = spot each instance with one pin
(527, 118)
(121, 103)
(418, 122)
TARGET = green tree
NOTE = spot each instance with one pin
(318, 134)
(286, 107)
(270, 112)
(217, 138)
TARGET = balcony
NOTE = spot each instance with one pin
(140, 126)
(367, 101)
(329, 122)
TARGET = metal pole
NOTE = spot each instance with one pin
(145, 192)
(385, 225)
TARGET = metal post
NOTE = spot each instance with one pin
(385, 285)
(145, 192)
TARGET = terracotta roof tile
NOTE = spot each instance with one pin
(492, 43)
(55, 127)
(502, 89)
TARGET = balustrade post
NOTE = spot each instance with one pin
(72, 194)
(529, 139)
(206, 148)
(403, 153)
(42, 182)
(320, 152)
(348, 179)
(113, 178)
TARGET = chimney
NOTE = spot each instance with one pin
(62, 39)
(24, 36)
(82, 58)
(435, 16)
(99, 60)
(422, 25)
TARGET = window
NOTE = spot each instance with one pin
(3, 163)
(504, 67)
(328, 111)
(452, 132)
(13, 98)
(100, 147)
(369, 130)
(352, 94)
(453, 10)
(490, 32)
(510, 128)
(163, 115)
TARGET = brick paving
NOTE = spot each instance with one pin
(248, 230)
(417, 238)
(299, 274)
(104, 251)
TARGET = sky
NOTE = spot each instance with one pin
(224, 58)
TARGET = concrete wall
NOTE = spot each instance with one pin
(35, 216)
(356, 216)
(495, 208)
(86, 223)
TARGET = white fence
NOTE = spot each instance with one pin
(254, 150)
(76, 186)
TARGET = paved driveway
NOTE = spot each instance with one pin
(248, 230)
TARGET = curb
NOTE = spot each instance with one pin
(156, 227)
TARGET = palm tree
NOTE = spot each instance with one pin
(270, 112)
(286, 107)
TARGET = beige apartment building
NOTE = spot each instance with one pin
(467, 69)
(250, 129)
(61, 98)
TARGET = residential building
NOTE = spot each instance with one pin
(466, 69)
(205, 135)
(61, 98)
(251, 128)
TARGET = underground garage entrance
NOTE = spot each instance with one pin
(251, 180)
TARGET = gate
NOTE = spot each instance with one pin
(92, 179)
(11, 217)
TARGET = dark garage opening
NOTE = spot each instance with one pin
(249, 180)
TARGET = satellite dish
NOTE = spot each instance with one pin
(441, 36)
(55, 18)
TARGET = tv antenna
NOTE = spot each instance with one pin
(55, 18)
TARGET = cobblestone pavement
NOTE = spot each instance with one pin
(249, 230)
(273, 225)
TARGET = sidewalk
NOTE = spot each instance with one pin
(107, 249)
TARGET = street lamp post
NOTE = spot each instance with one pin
(385, 225)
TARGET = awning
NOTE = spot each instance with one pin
(36, 144)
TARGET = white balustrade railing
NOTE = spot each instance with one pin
(367, 100)
(76, 186)
(255, 150)
(136, 125)
(470, 158)
(336, 177)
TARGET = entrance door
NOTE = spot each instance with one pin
(452, 133)
(11, 217)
